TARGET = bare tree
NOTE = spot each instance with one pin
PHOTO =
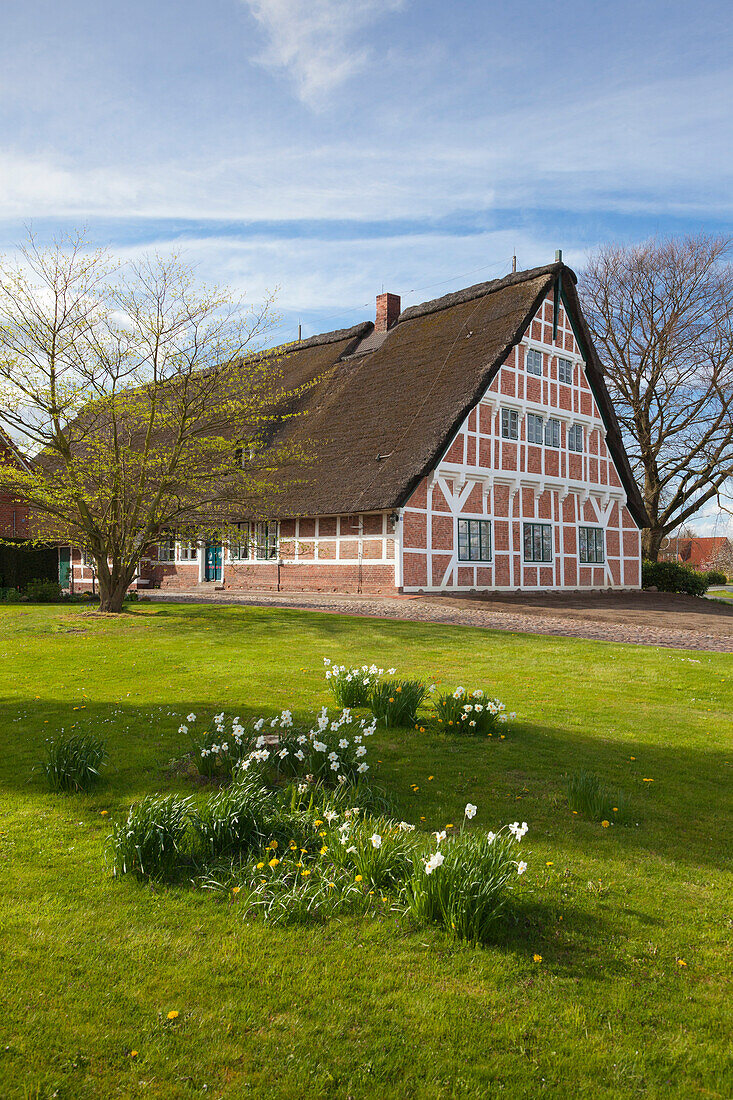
(141, 397)
(661, 314)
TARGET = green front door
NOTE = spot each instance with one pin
(214, 558)
(65, 566)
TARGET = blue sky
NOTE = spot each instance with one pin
(333, 148)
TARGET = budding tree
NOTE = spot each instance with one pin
(140, 399)
(661, 315)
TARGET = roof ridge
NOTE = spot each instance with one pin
(363, 328)
(478, 290)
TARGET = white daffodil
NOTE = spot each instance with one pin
(406, 827)
(376, 840)
(435, 861)
(190, 717)
(470, 810)
(521, 867)
(363, 768)
(440, 836)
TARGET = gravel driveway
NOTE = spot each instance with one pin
(642, 618)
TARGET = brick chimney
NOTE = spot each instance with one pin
(388, 310)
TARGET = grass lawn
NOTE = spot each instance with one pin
(367, 1007)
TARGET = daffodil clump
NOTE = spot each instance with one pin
(464, 884)
(352, 687)
(393, 702)
(590, 795)
(473, 712)
(333, 752)
(72, 763)
(396, 702)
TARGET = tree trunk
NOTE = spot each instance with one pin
(112, 592)
(651, 540)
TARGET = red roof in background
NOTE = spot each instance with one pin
(701, 551)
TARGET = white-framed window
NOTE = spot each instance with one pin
(167, 549)
(575, 438)
(537, 542)
(87, 560)
(533, 361)
(509, 424)
(565, 371)
(552, 433)
(591, 545)
(240, 543)
(265, 540)
(535, 428)
(474, 540)
(188, 551)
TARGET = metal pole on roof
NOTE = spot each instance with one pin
(558, 254)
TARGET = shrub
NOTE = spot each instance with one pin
(73, 763)
(588, 794)
(44, 591)
(396, 701)
(150, 842)
(233, 820)
(714, 576)
(670, 576)
(464, 885)
(382, 852)
(10, 595)
(352, 687)
(470, 712)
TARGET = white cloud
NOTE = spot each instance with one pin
(317, 42)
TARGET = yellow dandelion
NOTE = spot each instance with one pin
(391, 699)
(549, 863)
(274, 861)
(304, 873)
(303, 851)
(450, 826)
(322, 832)
(399, 690)
(272, 844)
(422, 729)
(259, 866)
(537, 958)
(632, 758)
(647, 780)
(681, 962)
(317, 823)
(173, 1015)
(358, 878)
(323, 851)
(605, 824)
(236, 889)
(615, 809)
(332, 885)
(430, 777)
(133, 1054)
(104, 812)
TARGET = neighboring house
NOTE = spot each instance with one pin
(19, 563)
(699, 553)
(13, 513)
(468, 443)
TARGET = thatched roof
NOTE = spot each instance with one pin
(380, 414)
